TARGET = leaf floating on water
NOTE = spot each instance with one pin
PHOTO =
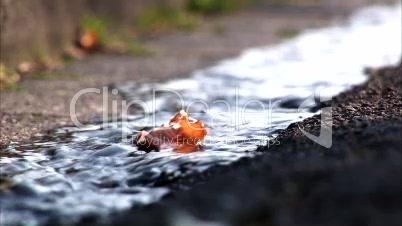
(182, 133)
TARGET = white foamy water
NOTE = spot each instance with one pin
(332, 56)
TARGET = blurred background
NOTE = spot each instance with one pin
(43, 31)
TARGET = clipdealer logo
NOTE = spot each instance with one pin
(325, 137)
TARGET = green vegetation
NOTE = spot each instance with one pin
(91, 22)
(292, 2)
(214, 6)
(123, 44)
(136, 48)
(112, 40)
(8, 79)
(279, 2)
(287, 33)
(67, 58)
(164, 18)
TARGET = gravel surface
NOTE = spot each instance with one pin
(355, 182)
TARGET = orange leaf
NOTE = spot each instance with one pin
(181, 133)
(89, 40)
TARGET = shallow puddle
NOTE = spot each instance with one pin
(94, 172)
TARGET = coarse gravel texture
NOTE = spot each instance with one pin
(357, 181)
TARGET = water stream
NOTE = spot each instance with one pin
(93, 172)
